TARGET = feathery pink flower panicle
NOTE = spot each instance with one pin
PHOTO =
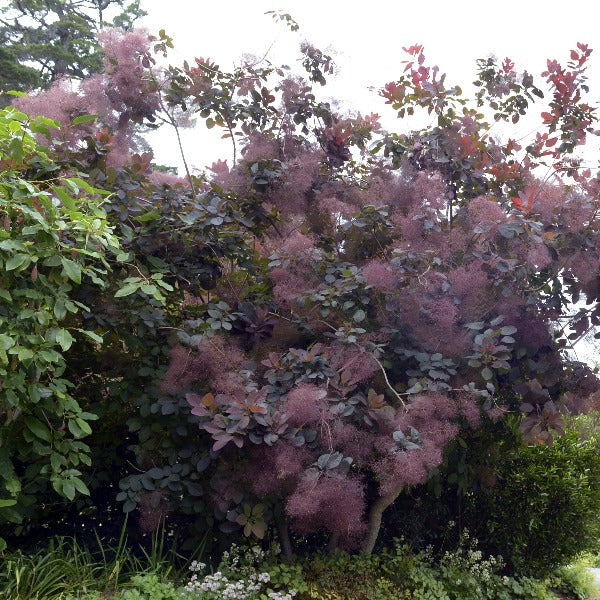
(305, 405)
(336, 504)
(122, 94)
(380, 276)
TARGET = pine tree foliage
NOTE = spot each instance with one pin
(44, 40)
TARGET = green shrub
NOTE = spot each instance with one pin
(355, 577)
(545, 508)
(55, 238)
(536, 506)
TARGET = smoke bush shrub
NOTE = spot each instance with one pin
(301, 334)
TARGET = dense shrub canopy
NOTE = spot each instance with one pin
(296, 337)
(54, 234)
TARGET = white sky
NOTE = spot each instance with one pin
(366, 39)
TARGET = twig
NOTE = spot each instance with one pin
(387, 381)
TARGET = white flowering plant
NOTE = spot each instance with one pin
(466, 566)
(244, 574)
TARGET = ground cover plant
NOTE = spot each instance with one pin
(287, 346)
(65, 571)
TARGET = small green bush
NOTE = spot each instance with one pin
(545, 509)
(339, 576)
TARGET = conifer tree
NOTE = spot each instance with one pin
(44, 40)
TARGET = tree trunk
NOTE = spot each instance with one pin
(375, 518)
(284, 536)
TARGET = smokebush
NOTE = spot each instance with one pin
(297, 339)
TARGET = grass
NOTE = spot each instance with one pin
(65, 567)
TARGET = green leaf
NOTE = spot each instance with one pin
(149, 216)
(88, 416)
(148, 289)
(10, 245)
(128, 289)
(13, 485)
(50, 355)
(38, 428)
(80, 486)
(47, 122)
(38, 128)
(52, 261)
(60, 310)
(65, 197)
(153, 291)
(68, 490)
(64, 338)
(57, 461)
(19, 261)
(75, 430)
(82, 183)
(25, 353)
(165, 285)
(7, 502)
(83, 119)
(94, 336)
(84, 426)
(71, 269)
(6, 341)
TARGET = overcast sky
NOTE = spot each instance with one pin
(366, 39)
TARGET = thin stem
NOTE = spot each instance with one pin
(171, 120)
(230, 128)
(387, 381)
(182, 153)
